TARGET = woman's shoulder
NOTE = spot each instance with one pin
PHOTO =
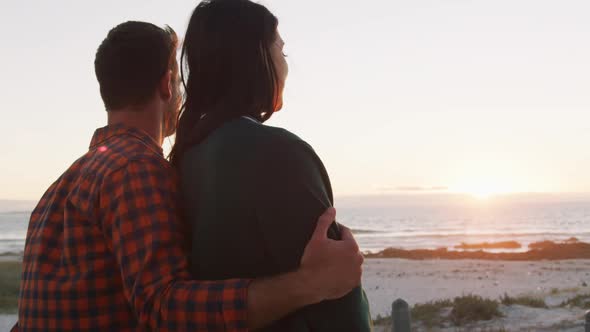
(288, 151)
(284, 139)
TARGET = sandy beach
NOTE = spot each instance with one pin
(7, 321)
(420, 281)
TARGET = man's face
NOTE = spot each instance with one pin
(173, 109)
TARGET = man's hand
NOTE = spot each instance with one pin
(330, 268)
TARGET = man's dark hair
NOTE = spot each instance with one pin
(131, 61)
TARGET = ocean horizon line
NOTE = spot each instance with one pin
(400, 192)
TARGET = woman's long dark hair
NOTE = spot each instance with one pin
(226, 69)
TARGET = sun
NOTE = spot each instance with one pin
(482, 194)
(482, 191)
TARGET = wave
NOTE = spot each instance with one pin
(475, 234)
(13, 212)
(365, 231)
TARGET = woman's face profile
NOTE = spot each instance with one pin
(281, 66)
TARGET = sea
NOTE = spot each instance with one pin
(416, 221)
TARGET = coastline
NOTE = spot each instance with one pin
(423, 281)
(538, 251)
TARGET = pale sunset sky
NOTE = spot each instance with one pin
(394, 95)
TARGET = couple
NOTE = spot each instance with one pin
(106, 249)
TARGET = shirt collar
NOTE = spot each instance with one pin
(103, 134)
(251, 118)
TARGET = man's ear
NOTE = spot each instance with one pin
(165, 87)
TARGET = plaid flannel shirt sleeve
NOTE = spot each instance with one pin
(140, 222)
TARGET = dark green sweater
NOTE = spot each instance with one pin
(253, 194)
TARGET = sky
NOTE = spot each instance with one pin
(395, 96)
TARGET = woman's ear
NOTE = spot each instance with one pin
(165, 87)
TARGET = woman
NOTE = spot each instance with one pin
(251, 193)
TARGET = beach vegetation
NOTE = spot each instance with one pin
(580, 301)
(473, 308)
(463, 310)
(430, 313)
(382, 320)
(524, 300)
(9, 286)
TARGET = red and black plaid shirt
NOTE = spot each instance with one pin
(103, 249)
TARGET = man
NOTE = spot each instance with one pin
(103, 249)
